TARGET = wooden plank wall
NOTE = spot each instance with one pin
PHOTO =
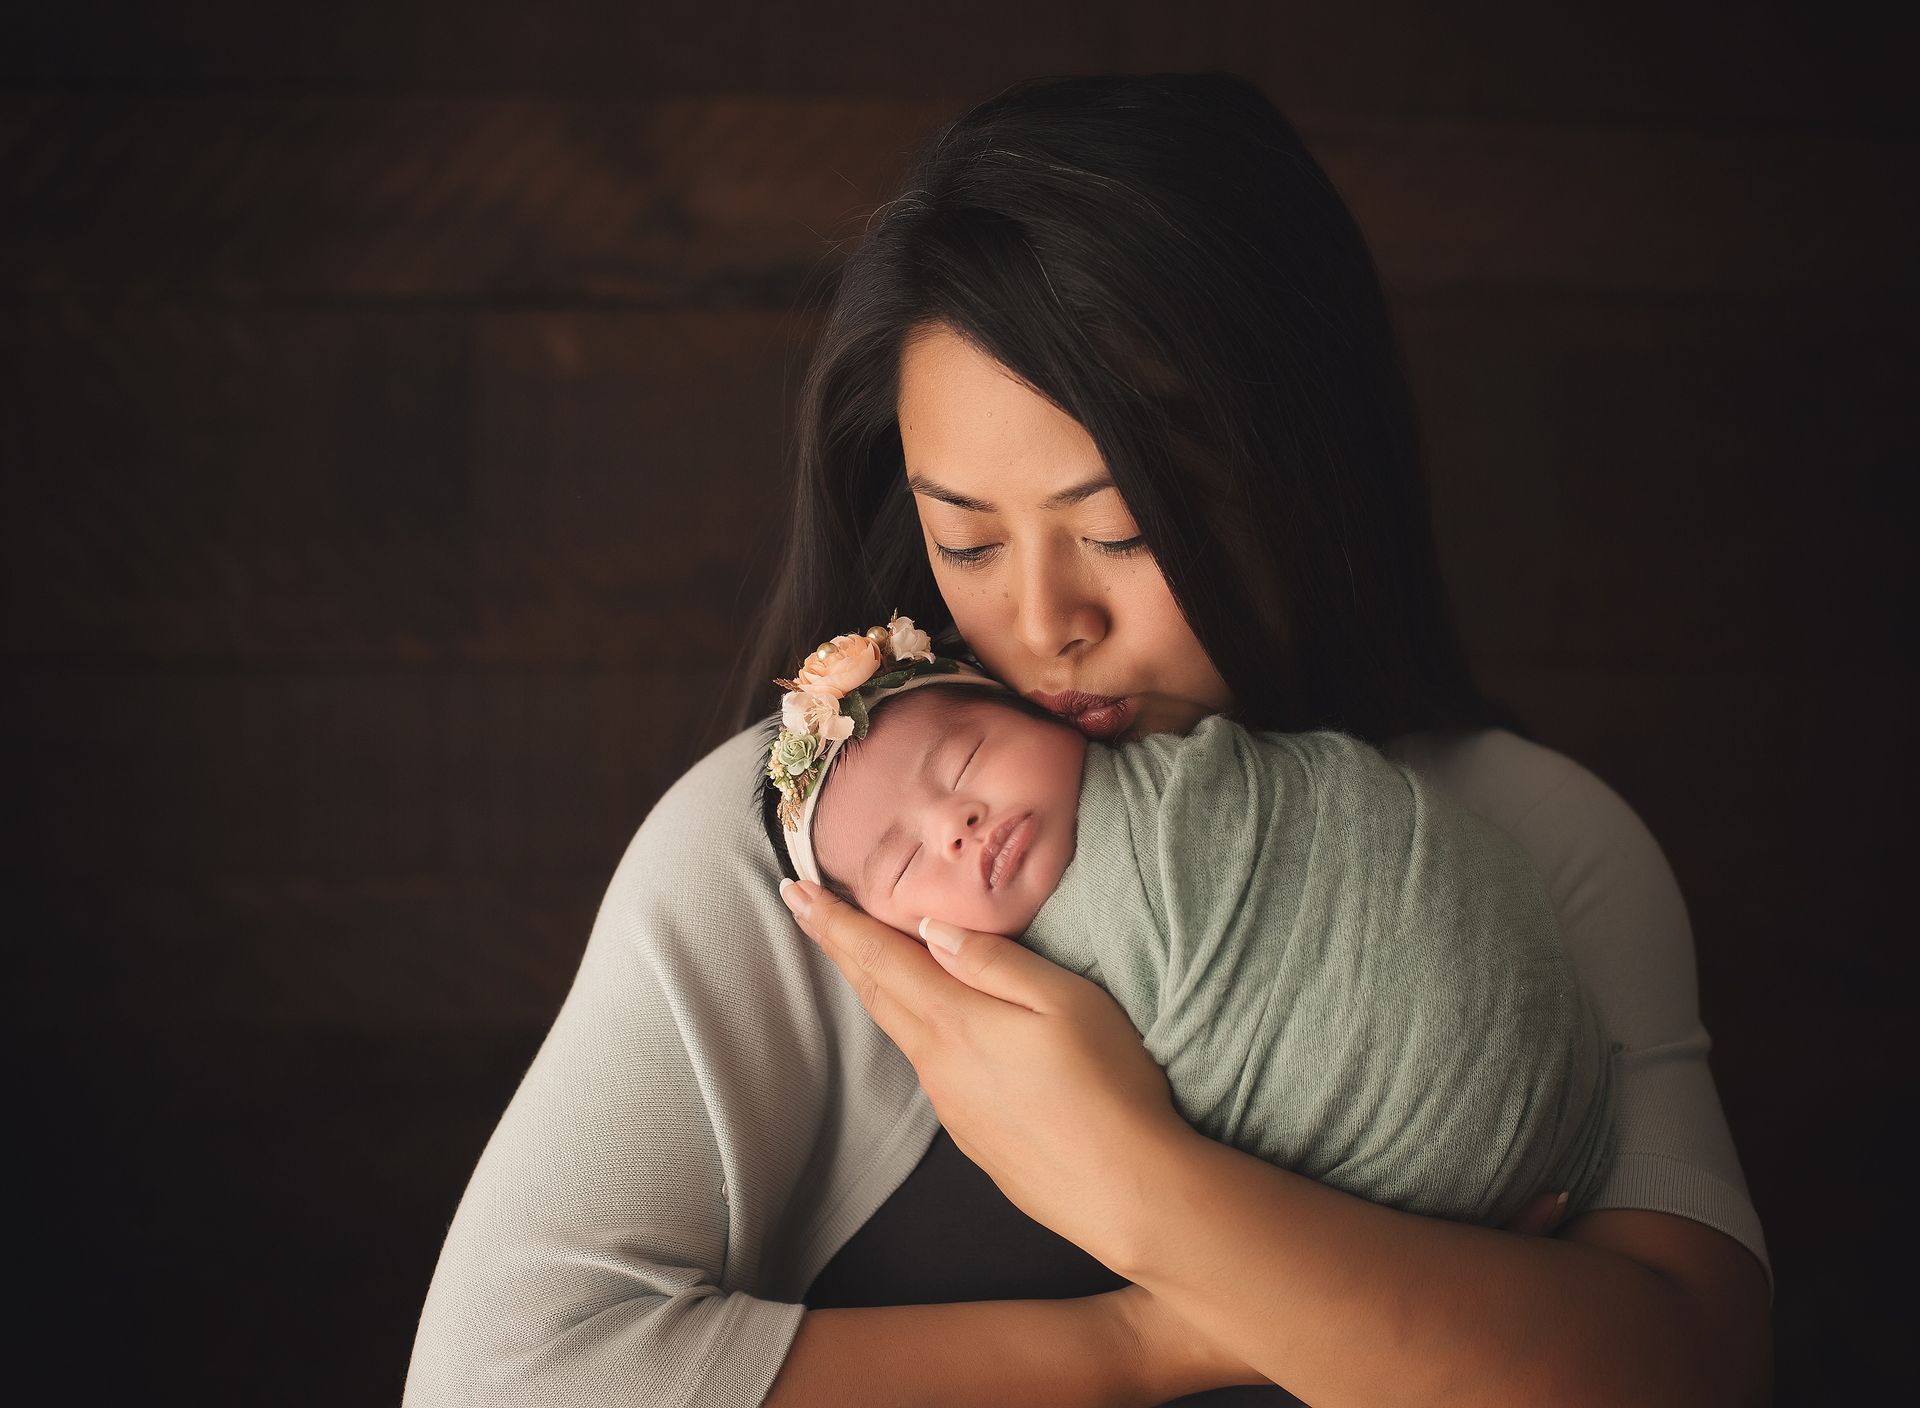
(383, 400)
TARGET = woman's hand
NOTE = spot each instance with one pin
(1036, 1072)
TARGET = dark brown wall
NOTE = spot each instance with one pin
(387, 404)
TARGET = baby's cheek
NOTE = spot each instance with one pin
(893, 911)
(949, 903)
(929, 896)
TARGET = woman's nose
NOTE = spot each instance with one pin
(1057, 610)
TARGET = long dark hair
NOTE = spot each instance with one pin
(1159, 256)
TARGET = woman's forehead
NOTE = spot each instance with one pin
(969, 425)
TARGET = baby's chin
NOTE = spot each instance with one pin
(1008, 912)
(1039, 878)
(1013, 920)
(1009, 915)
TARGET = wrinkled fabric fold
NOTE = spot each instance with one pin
(1341, 970)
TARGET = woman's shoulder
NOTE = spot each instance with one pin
(702, 848)
(715, 801)
(1494, 771)
(1580, 832)
(1620, 906)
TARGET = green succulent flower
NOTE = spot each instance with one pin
(794, 753)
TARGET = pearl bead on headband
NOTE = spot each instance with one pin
(829, 701)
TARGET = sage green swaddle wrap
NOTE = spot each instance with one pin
(1342, 971)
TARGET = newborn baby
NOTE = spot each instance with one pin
(1340, 970)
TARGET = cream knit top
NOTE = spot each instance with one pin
(713, 1114)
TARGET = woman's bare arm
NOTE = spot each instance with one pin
(1623, 1308)
(1091, 1350)
(1348, 1303)
(1276, 1271)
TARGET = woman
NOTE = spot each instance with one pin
(1109, 391)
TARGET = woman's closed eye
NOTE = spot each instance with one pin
(979, 556)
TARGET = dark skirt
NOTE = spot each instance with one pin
(948, 1234)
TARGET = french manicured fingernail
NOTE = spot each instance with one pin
(795, 897)
(1560, 1206)
(948, 936)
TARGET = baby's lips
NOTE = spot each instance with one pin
(1003, 836)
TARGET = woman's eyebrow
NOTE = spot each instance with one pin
(920, 484)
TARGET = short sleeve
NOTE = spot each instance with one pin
(1626, 931)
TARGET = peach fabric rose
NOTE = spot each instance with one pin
(842, 664)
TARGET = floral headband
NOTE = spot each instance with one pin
(831, 700)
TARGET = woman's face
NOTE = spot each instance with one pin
(1037, 555)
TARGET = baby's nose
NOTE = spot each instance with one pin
(961, 823)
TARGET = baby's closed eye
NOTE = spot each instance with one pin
(971, 755)
(903, 870)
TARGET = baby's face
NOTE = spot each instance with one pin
(954, 808)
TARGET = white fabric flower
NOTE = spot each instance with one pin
(909, 643)
(803, 711)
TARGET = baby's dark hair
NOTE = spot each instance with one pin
(948, 698)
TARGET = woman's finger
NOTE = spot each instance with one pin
(1539, 1216)
(999, 967)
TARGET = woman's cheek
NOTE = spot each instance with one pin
(974, 616)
